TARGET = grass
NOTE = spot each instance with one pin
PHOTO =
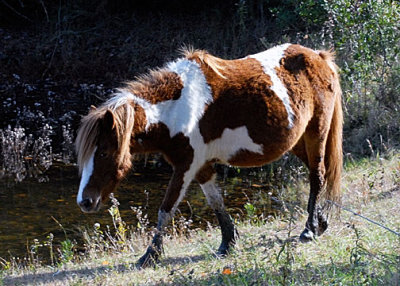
(352, 251)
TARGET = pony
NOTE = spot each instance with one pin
(200, 110)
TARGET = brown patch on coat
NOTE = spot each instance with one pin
(156, 86)
(206, 172)
(176, 150)
(321, 145)
(245, 90)
(301, 64)
(179, 153)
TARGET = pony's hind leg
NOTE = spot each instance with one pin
(315, 142)
(301, 152)
(206, 178)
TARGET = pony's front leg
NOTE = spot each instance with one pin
(155, 248)
(175, 193)
(206, 178)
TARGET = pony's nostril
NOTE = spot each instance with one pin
(86, 203)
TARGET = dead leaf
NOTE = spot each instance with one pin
(227, 271)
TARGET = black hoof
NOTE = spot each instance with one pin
(149, 259)
(224, 248)
(222, 252)
(306, 236)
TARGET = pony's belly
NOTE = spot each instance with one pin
(245, 158)
(237, 148)
(230, 143)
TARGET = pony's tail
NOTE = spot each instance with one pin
(333, 152)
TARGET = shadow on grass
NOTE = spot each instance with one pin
(90, 272)
(329, 274)
(280, 275)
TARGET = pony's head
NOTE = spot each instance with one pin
(103, 149)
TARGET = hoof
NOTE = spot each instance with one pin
(222, 252)
(223, 249)
(149, 259)
(145, 262)
(306, 236)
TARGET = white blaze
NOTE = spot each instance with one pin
(86, 174)
(270, 60)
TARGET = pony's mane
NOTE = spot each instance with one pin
(124, 116)
(204, 57)
(149, 85)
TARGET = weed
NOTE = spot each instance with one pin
(119, 224)
(250, 212)
(68, 152)
(143, 220)
(66, 251)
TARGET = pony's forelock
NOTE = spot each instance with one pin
(86, 138)
(123, 113)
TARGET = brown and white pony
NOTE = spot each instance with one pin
(200, 110)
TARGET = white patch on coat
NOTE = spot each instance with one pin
(181, 115)
(213, 194)
(231, 142)
(270, 60)
(223, 148)
(86, 174)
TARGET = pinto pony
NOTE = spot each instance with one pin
(200, 110)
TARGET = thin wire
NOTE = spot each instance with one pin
(368, 219)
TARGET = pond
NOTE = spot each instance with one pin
(30, 210)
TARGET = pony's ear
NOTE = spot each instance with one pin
(92, 108)
(108, 120)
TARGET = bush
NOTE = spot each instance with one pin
(366, 37)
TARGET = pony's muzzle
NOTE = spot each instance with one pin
(88, 205)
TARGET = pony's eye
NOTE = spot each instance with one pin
(103, 154)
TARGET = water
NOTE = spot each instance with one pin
(29, 210)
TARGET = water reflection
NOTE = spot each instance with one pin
(28, 210)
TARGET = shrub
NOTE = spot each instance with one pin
(366, 37)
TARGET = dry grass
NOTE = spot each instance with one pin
(353, 251)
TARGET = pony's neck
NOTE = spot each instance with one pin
(144, 140)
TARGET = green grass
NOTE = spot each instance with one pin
(352, 251)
